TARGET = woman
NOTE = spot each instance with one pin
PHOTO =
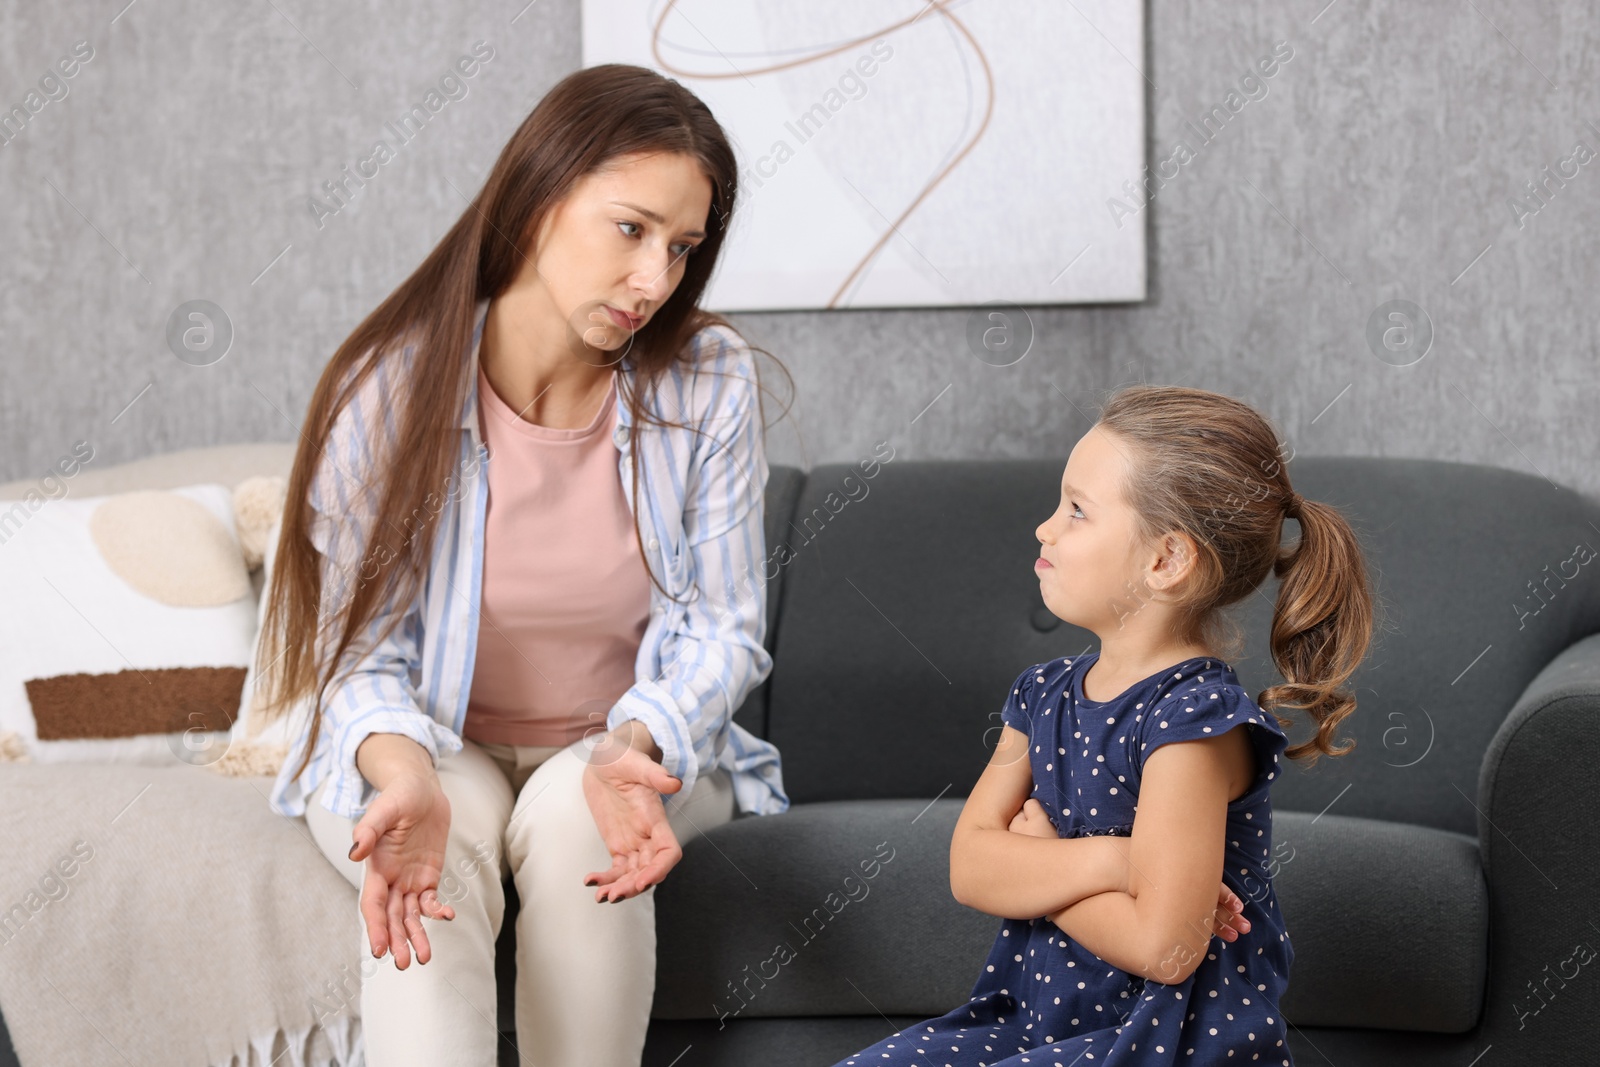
(528, 531)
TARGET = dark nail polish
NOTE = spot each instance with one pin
(352, 852)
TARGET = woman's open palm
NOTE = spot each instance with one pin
(402, 837)
(624, 794)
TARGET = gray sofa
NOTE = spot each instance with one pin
(1439, 881)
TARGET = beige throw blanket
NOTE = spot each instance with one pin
(168, 916)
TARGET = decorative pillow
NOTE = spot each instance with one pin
(128, 627)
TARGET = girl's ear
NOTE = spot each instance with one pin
(1175, 557)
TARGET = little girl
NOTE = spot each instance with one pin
(1098, 840)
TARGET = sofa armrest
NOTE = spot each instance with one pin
(1539, 835)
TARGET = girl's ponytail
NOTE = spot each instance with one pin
(1210, 466)
(1321, 623)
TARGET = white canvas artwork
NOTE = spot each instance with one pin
(912, 153)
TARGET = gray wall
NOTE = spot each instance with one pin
(1381, 164)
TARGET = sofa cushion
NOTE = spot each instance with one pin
(818, 911)
(1389, 920)
(844, 908)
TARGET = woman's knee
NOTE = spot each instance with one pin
(553, 793)
(552, 816)
(551, 819)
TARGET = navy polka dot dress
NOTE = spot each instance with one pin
(1042, 999)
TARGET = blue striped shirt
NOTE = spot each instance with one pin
(702, 500)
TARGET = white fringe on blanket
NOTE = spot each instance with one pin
(337, 1043)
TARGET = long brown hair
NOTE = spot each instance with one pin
(588, 119)
(1211, 466)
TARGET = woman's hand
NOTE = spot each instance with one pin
(403, 836)
(623, 785)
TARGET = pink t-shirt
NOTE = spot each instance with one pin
(565, 596)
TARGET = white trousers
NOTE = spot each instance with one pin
(586, 972)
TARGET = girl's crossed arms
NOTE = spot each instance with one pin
(1148, 904)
